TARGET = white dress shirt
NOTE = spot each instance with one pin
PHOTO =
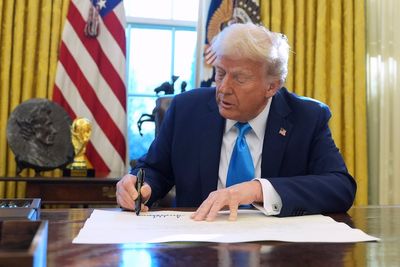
(255, 139)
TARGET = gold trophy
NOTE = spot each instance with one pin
(81, 130)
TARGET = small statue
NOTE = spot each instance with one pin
(166, 87)
(81, 130)
(183, 86)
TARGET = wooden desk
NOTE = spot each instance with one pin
(69, 190)
(382, 222)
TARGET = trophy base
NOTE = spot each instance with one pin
(78, 172)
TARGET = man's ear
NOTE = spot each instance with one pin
(273, 87)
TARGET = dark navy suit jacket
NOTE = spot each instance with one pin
(304, 165)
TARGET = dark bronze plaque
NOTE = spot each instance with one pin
(38, 133)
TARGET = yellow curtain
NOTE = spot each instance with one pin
(327, 39)
(30, 35)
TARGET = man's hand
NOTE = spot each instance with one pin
(126, 193)
(232, 197)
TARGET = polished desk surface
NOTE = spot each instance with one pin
(379, 221)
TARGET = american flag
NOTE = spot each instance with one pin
(90, 80)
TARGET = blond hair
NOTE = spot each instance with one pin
(256, 43)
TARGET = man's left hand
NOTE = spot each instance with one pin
(239, 194)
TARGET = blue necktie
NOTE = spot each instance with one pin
(241, 167)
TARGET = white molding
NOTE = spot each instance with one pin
(166, 22)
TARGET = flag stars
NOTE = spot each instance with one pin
(101, 4)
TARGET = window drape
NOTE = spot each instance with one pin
(327, 63)
(30, 34)
(383, 71)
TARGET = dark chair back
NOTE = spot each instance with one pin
(162, 105)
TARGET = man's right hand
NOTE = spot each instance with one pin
(127, 194)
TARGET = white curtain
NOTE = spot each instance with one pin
(383, 87)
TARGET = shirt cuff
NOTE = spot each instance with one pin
(272, 201)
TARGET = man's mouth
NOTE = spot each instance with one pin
(225, 104)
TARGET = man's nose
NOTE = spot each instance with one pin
(53, 130)
(225, 85)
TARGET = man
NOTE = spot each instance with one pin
(290, 152)
(39, 135)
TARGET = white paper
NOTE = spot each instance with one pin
(116, 227)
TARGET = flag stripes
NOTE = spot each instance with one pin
(111, 21)
(90, 98)
(92, 46)
(91, 151)
(90, 80)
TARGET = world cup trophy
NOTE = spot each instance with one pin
(81, 130)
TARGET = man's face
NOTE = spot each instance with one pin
(45, 131)
(243, 88)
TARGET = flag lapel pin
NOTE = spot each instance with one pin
(282, 132)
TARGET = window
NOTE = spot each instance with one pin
(161, 42)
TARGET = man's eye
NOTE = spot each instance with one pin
(219, 75)
(241, 79)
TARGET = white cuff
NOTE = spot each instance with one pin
(272, 201)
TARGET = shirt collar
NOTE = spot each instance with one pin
(258, 124)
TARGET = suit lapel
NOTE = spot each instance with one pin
(210, 148)
(277, 134)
